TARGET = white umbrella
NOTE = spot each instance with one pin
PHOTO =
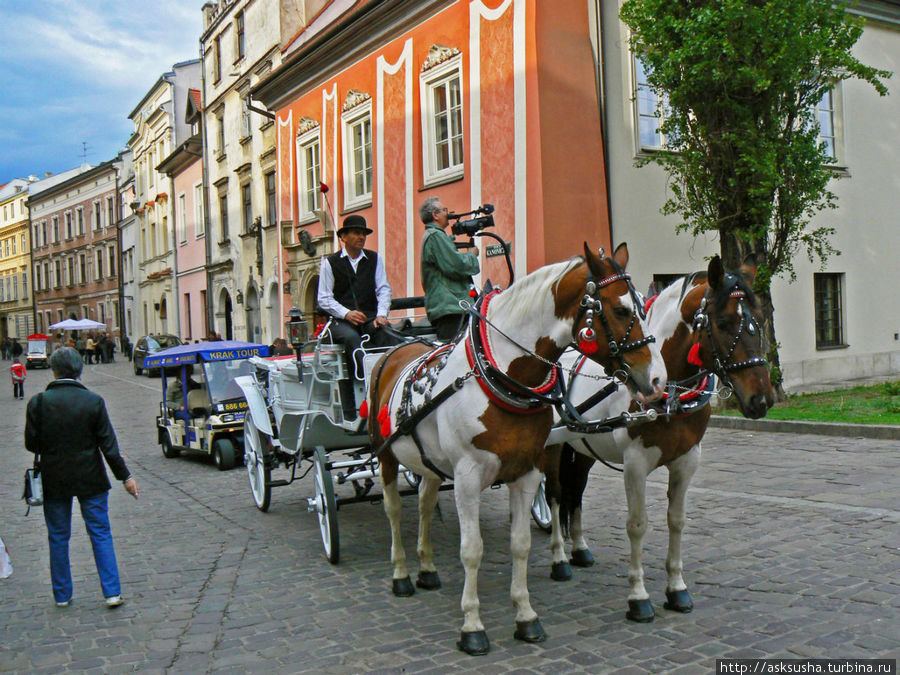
(65, 324)
(77, 324)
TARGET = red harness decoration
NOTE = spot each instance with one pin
(384, 417)
(648, 303)
(364, 409)
(548, 385)
(587, 341)
(693, 356)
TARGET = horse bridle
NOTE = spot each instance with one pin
(723, 365)
(591, 305)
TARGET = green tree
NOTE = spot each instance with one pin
(738, 82)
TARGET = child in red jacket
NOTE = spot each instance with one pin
(18, 373)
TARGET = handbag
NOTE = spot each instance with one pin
(33, 493)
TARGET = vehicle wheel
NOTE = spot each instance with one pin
(540, 509)
(168, 451)
(412, 479)
(137, 368)
(326, 508)
(256, 459)
(223, 453)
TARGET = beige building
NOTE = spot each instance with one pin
(240, 45)
(159, 127)
(838, 321)
(16, 299)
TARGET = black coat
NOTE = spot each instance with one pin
(70, 428)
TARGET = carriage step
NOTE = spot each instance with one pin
(278, 483)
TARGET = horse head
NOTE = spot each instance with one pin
(727, 329)
(609, 323)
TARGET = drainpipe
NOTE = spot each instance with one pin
(207, 233)
(121, 284)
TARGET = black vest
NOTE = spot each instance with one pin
(355, 291)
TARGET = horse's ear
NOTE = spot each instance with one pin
(621, 255)
(749, 268)
(715, 273)
(594, 260)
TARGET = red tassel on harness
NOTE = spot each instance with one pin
(364, 409)
(587, 347)
(384, 417)
(693, 356)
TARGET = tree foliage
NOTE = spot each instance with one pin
(741, 79)
(738, 82)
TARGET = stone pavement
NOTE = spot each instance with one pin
(792, 550)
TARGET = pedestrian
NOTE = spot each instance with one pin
(4, 348)
(280, 348)
(446, 272)
(71, 464)
(126, 347)
(15, 349)
(18, 374)
(89, 346)
(79, 345)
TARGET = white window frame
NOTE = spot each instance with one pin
(834, 115)
(646, 108)
(309, 139)
(98, 215)
(199, 223)
(354, 116)
(430, 80)
(182, 218)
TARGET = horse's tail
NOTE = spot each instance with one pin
(573, 473)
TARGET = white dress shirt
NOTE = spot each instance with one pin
(326, 286)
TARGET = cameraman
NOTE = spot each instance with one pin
(446, 272)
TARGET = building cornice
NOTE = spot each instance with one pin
(346, 41)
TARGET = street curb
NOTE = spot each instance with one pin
(887, 432)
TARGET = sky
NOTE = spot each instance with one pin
(72, 70)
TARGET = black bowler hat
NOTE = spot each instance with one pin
(354, 222)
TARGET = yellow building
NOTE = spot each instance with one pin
(16, 298)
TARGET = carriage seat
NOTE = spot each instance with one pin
(198, 402)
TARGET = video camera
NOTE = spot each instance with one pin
(470, 227)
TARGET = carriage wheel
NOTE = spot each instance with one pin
(256, 459)
(324, 505)
(223, 454)
(540, 509)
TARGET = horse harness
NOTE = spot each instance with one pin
(503, 390)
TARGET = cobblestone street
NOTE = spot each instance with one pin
(792, 549)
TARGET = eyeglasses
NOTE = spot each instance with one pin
(443, 210)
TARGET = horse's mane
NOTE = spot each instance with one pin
(732, 281)
(536, 284)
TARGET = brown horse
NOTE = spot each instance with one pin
(479, 411)
(710, 325)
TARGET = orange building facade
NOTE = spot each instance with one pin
(474, 101)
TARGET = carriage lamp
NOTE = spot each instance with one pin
(297, 330)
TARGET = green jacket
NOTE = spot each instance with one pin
(445, 273)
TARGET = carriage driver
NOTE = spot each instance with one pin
(354, 290)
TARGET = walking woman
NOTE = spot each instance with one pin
(68, 426)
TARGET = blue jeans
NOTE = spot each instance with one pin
(95, 511)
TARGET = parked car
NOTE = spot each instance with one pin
(150, 344)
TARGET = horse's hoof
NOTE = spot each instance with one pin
(560, 571)
(640, 611)
(403, 588)
(582, 558)
(475, 643)
(430, 581)
(679, 601)
(530, 631)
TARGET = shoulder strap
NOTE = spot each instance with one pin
(40, 430)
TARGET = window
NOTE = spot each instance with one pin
(55, 229)
(182, 220)
(187, 315)
(825, 114)
(80, 218)
(110, 212)
(68, 225)
(57, 281)
(24, 283)
(220, 132)
(35, 235)
(13, 245)
(357, 145)
(223, 215)
(97, 215)
(82, 261)
(239, 37)
(99, 264)
(199, 222)
(829, 310)
(15, 282)
(309, 174)
(246, 207)
(24, 246)
(647, 109)
(442, 122)
(112, 262)
(70, 271)
(271, 199)
(217, 59)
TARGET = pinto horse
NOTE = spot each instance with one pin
(481, 412)
(710, 326)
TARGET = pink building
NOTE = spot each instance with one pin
(184, 168)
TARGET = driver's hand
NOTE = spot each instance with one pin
(381, 321)
(356, 317)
